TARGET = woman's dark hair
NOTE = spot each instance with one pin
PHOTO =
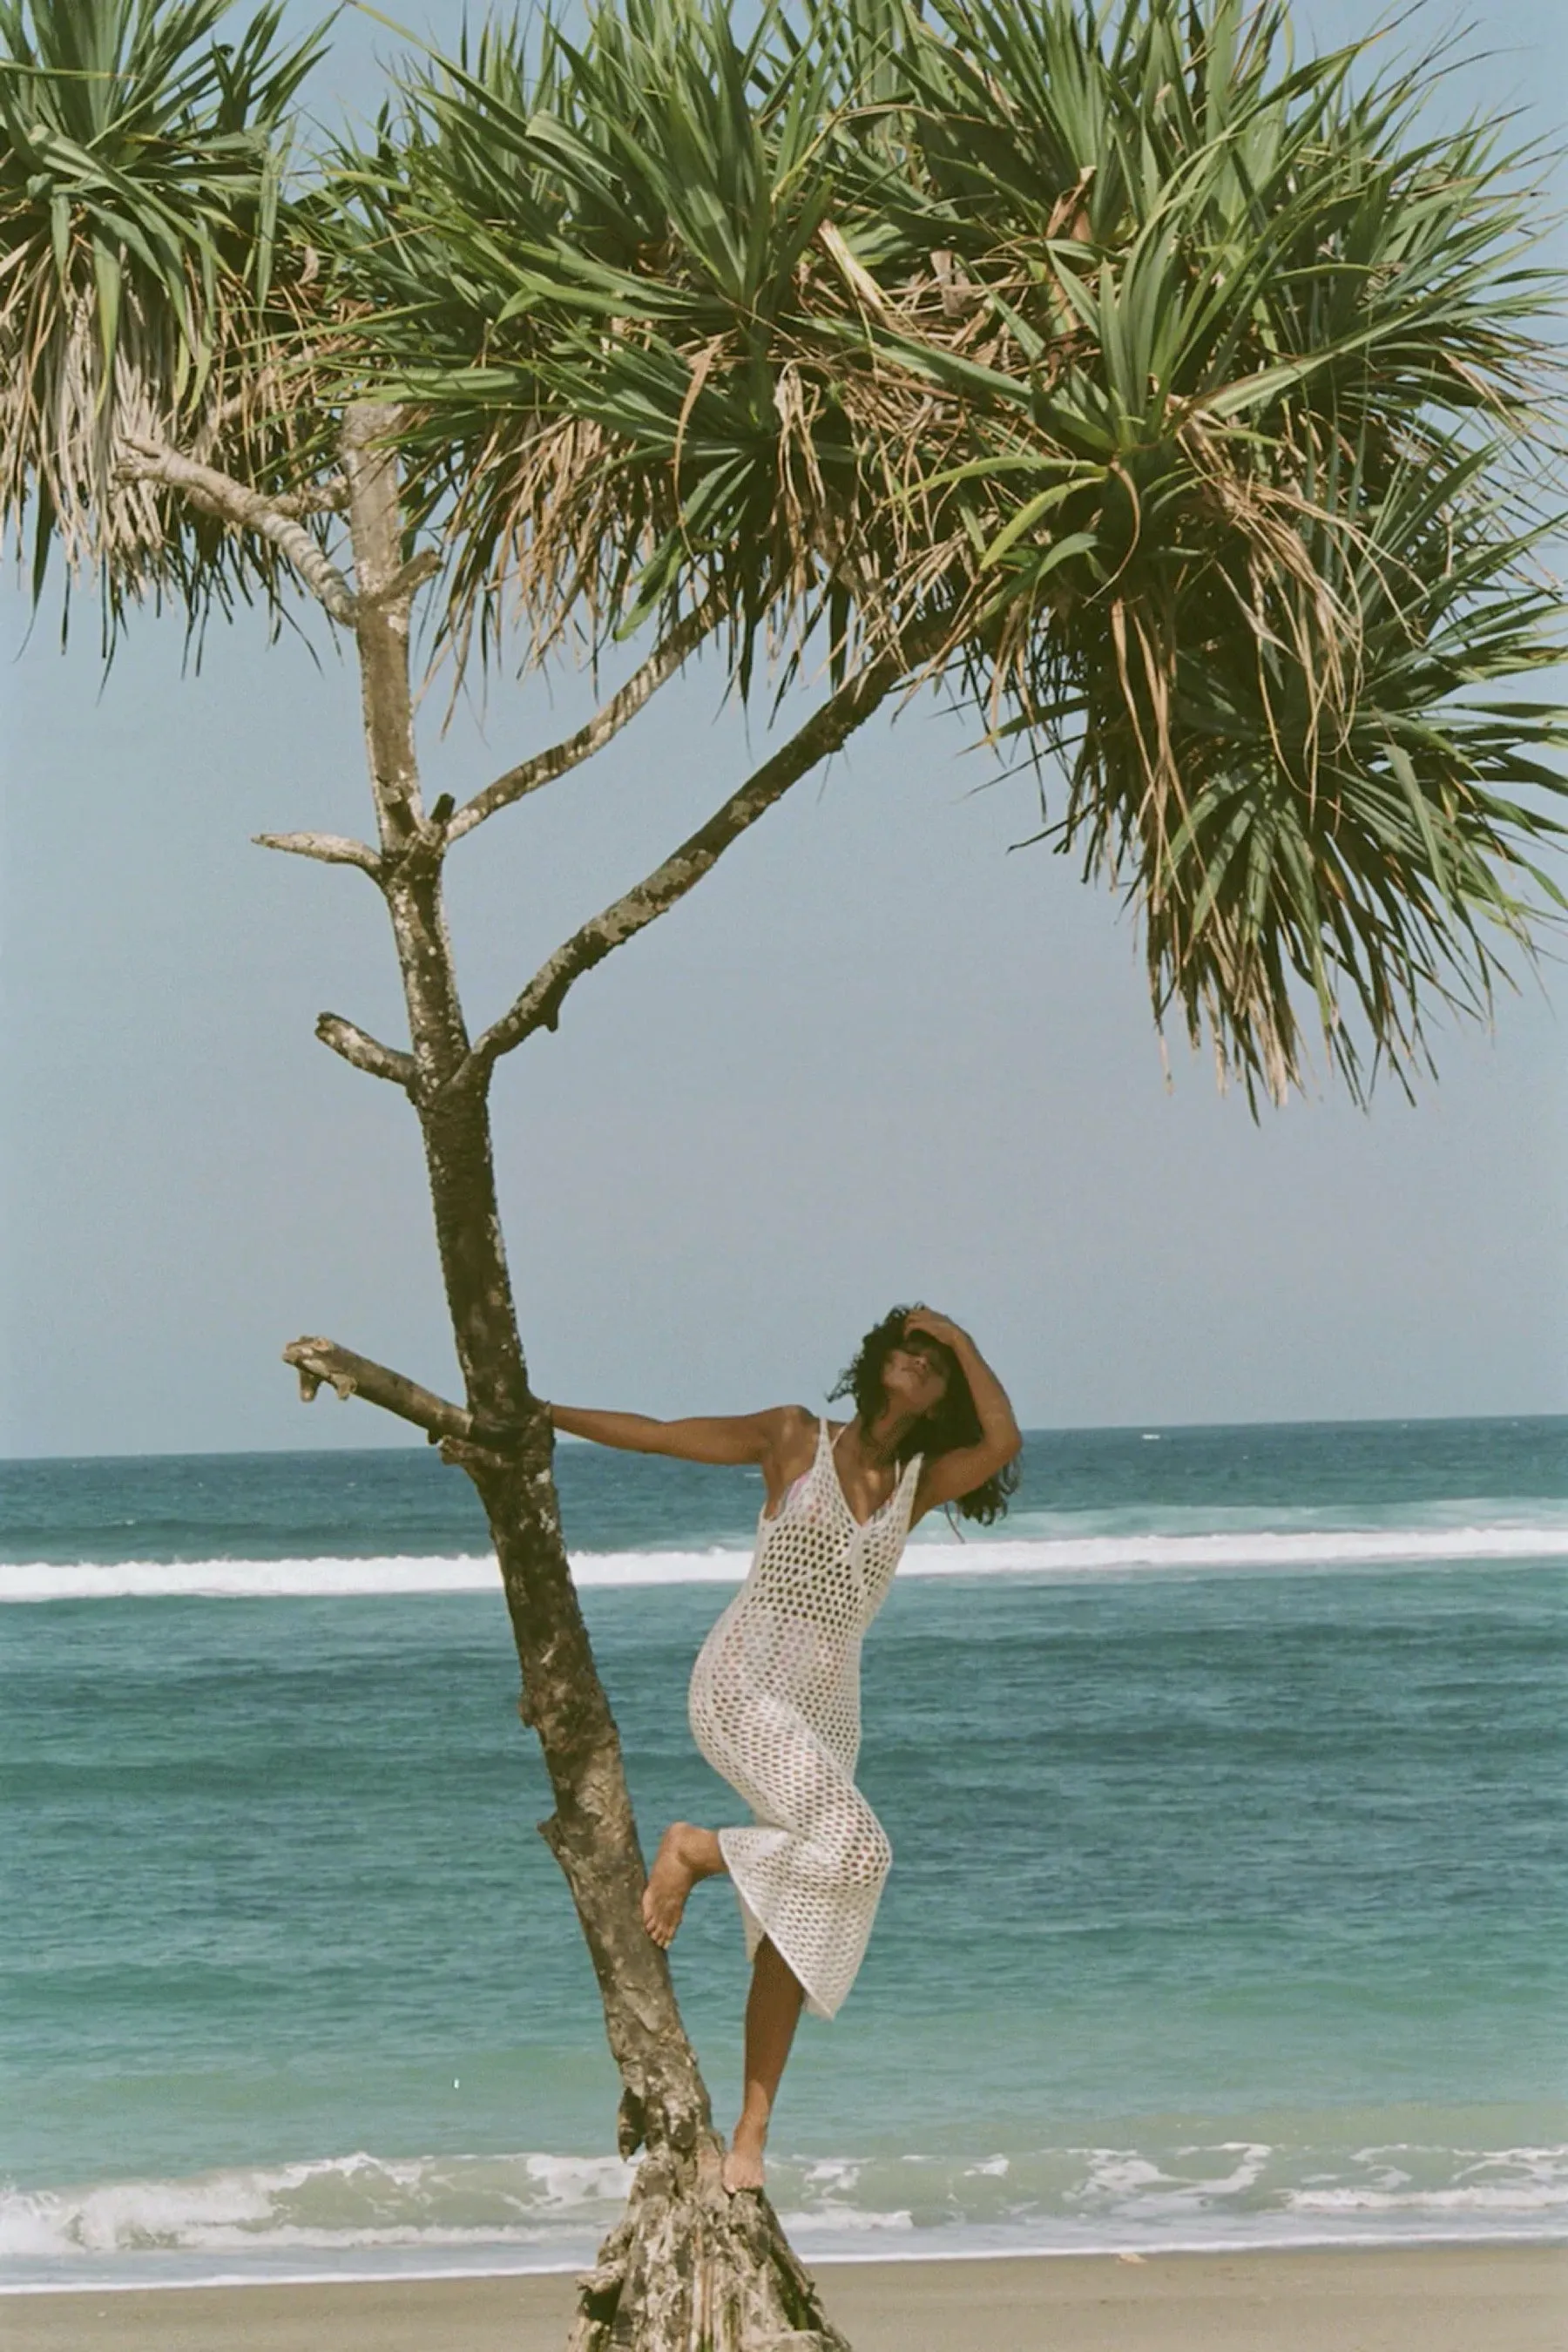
(951, 1424)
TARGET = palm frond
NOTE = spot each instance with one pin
(1188, 403)
(1188, 406)
(142, 191)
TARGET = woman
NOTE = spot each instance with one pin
(775, 1692)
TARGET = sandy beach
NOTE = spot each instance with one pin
(1420, 2299)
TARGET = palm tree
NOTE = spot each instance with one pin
(1179, 409)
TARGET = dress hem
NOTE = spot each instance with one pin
(756, 1927)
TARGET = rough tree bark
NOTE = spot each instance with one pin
(689, 2268)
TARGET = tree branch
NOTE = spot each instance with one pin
(539, 1006)
(367, 1053)
(331, 848)
(322, 1363)
(545, 766)
(317, 498)
(246, 510)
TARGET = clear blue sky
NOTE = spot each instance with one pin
(875, 1056)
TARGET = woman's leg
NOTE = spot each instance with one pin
(772, 2013)
(685, 1854)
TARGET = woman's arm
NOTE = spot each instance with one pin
(718, 1437)
(968, 1467)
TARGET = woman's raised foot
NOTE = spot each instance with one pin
(743, 2167)
(676, 1866)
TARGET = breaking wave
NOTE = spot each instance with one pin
(1122, 1553)
(363, 2213)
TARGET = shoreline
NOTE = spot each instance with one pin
(214, 2279)
(1448, 2298)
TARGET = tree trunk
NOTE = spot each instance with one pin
(689, 2269)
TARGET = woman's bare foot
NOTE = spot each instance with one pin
(743, 2167)
(683, 1858)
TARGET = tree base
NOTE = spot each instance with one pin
(691, 2269)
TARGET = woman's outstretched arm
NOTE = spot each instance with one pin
(715, 1437)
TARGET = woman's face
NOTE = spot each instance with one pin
(914, 1376)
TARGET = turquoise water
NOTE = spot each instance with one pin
(1225, 1790)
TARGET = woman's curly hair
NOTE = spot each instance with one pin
(948, 1425)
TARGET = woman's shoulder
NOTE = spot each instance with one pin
(793, 1435)
(797, 1423)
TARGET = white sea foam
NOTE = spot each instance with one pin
(358, 2201)
(358, 2214)
(1319, 1548)
(1511, 2181)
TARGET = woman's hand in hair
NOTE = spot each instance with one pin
(947, 1477)
(937, 1327)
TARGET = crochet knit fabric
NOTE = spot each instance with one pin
(775, 1709)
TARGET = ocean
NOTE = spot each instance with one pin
(1226, 1785)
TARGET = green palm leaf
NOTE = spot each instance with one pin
(141, 168)
(1174, 396)
(1184, 407)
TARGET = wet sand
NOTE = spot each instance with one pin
(1415, 2299)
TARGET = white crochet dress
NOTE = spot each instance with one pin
(775, 1708)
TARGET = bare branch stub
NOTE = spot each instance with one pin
(329, 848)
(322, 1363)
(538, 1006)
(366, 1052)
(405, 579)
(605, 725)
